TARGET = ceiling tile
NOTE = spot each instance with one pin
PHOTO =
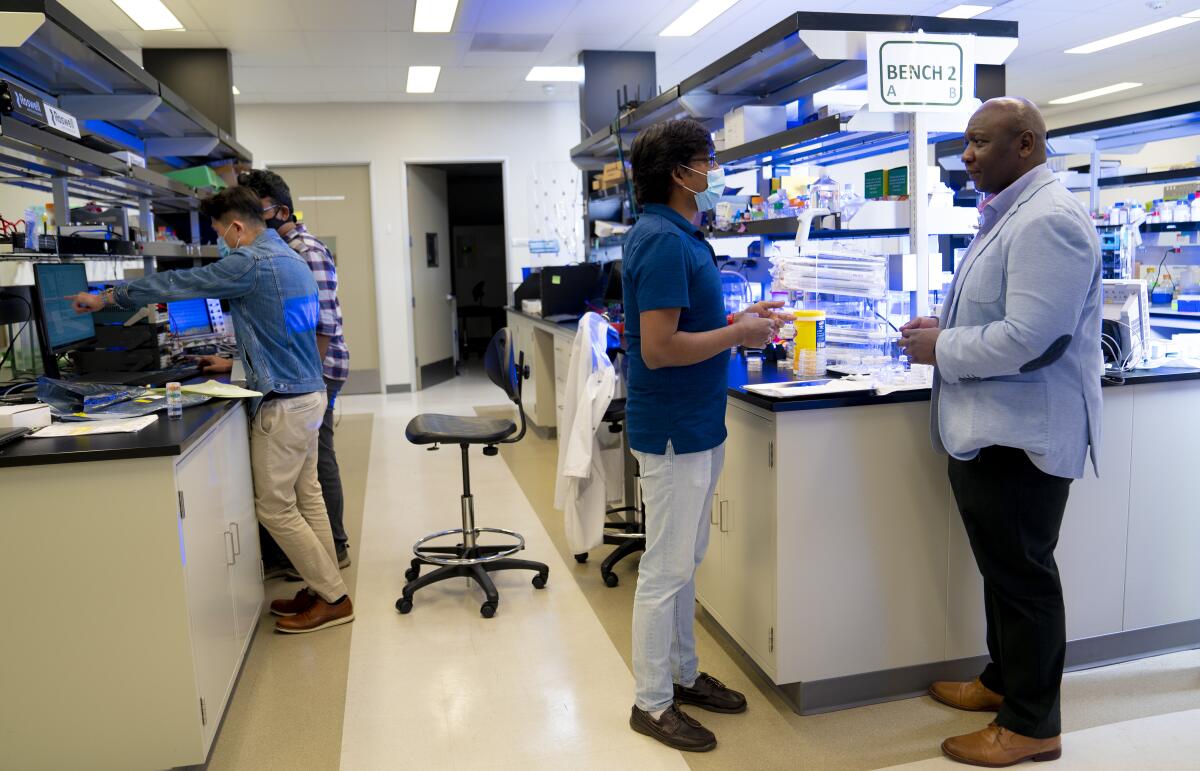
(318, 15)
(406, 48)
(334, 48)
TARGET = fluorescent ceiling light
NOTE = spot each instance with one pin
(840, 97)
(965, 11)
(236, 92)
(434, 15)
(697, 17)
(150, 15)
(555, 75)
(1134, 34)
(1095, 93)
(1193, 14)
(423, 80)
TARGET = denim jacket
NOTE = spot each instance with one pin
(273, 299)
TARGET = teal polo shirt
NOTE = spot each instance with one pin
(667, 263)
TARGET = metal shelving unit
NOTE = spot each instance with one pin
(773, 68)
(785, 227)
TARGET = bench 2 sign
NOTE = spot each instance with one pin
(920, 73)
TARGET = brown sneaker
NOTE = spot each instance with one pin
(674, 728)
(972, 696)
(319, 615)
(998, 747)
(298, 604)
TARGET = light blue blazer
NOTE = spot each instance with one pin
(1018, 360)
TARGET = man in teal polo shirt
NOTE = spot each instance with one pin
(678, 338)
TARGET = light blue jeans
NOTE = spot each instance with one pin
(677, 491)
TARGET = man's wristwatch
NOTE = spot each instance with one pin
(109, 297)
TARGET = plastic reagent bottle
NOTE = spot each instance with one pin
(174, 401)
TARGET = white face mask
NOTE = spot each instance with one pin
(706, 200)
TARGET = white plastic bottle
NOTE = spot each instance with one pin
(1195, 207)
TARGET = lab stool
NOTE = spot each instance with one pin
(469, 559)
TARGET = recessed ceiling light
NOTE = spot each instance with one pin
(697, 17)
(1134, 34)
(965, 11)
(434, 15)
(555, 75)
(423, 80)
(1095, 93)
(236, 92)
(150, 15)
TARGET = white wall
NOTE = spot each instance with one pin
(532, 139)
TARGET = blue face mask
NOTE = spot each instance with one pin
(706, 200)
(223, 248)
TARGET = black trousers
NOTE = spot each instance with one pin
(330, 477)
(1012, 512)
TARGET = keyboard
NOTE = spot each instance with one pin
(10, 435)
(154, 378)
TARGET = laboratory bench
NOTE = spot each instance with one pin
(547, 348)
(839, 566)
(138, 586)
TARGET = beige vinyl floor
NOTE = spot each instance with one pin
(546, 684)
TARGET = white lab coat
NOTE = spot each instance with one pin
(581, 491)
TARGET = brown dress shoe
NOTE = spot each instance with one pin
(298, 604)
(972, 696)
(319, 615)
(674, 728)
(997, 747)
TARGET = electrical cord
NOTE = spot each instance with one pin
(1158, 270)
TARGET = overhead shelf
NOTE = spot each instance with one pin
(827, 141)
(72, 63)
(1152, 178)
(773, 68)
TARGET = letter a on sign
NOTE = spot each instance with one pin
(920, 73)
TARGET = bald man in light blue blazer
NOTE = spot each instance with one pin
(1016, 405)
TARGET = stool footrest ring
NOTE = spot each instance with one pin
(442, 559)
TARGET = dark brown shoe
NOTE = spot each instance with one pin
(674, 728)
(998, 747)
(711, 694)
(298, 604)
(971, 696)
(319, 615)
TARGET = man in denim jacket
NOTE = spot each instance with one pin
(273, 299)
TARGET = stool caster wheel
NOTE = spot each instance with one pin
(611, 580)
(403, 605)
(539, 581)
(581, 558)
(488, 610)
(412, 574)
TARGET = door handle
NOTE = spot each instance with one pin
(230, 556)
(237, 539)
(724, 511)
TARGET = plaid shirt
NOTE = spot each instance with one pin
(329, 323)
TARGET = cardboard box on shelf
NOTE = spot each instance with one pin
(746, 124)
(612, 174)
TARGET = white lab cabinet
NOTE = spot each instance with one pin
(138, 585)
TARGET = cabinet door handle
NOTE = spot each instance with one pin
(724, 510)
(230, 555)
(237, 539)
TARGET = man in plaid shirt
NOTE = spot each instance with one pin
(277, 209)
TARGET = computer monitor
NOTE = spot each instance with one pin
(566, 289)
(190, 318)
(60, 326)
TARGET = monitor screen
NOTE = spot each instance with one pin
(55, 282)
(189, 318)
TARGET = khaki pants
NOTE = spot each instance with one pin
(287, 495)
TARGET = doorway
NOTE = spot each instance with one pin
(456, 224)
(334, 203)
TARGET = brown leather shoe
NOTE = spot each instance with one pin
(319, 615)
(972, 696)
(997, 747)
(298, 604)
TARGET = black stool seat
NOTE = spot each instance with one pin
(457, 429)
(615, 411)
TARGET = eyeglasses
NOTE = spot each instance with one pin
(710, 160)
